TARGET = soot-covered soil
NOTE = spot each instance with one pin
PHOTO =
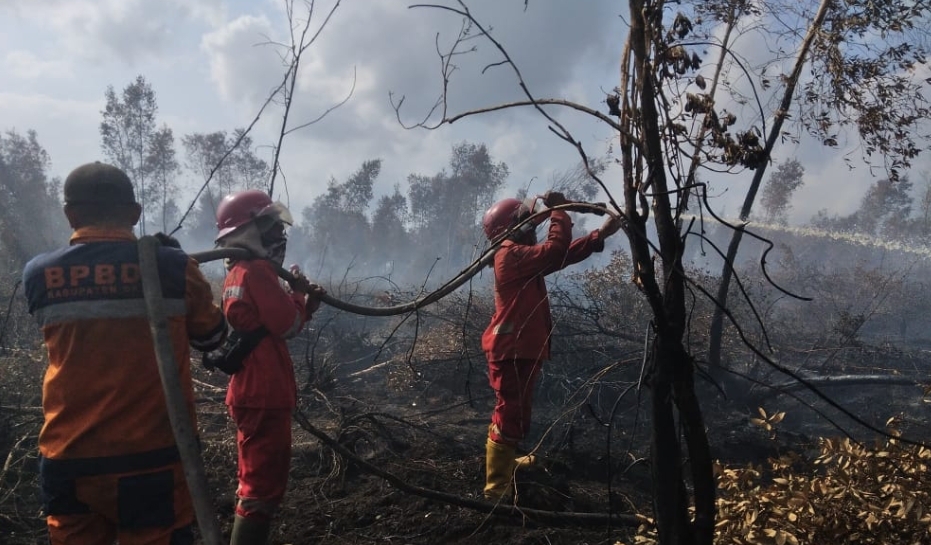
(413, 469)
(394, 454)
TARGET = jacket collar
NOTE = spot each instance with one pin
(101, 234)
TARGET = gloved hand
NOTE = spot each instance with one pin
(166, 240)
(611, 225)
(301, 284)
(314, 296)
(554, 198)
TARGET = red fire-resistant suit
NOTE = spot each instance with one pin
(517, 340)
(263, 393)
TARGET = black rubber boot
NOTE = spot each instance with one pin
(248, 531)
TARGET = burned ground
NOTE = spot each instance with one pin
(389, 436)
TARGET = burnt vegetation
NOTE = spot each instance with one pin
(810, 363)
(393, 411)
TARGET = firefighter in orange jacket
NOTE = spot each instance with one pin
(263, 394)
(109, 466)
(517, 340)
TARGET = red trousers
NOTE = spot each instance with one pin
(513, 382)
(263, 438)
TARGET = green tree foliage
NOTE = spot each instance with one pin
(232, 171)
(388, 228)
(336, 222)
(778, 192)
(357, 191)
(459, 196)
(340, 230)
(208, 156)
(164, 168)
(446, 208)
(203, 152)
(884, 210)
(128, 138)
(31, 220)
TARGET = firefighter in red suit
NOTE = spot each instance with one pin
(517, 340)
(263, 394)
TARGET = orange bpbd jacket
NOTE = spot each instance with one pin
(102, 395)
(521, 325)
(253, 297)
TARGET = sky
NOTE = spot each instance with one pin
(211, 67)
(212, 63)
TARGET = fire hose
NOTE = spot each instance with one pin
(181, 421)
(474, 268)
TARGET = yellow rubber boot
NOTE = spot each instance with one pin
(499, 470)
(525, 461)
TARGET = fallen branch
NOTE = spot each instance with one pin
(207, 386)
(537, 515)
(369, 369)
(845, 380)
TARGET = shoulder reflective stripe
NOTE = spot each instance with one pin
(295, 327)
(92, 310)
(232, 292)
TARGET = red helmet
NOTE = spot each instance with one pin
(238, 209)
(503, 215)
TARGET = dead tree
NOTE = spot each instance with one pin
(671, 371)
(669, 126)
(635, 114)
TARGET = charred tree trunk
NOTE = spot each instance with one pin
(670, 500)
(671, 373)
(693, 426)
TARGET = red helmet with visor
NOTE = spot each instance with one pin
(502, 216)
(238, 209)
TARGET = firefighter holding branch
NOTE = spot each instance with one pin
(517, 341)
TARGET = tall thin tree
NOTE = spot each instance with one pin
(128, 132)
